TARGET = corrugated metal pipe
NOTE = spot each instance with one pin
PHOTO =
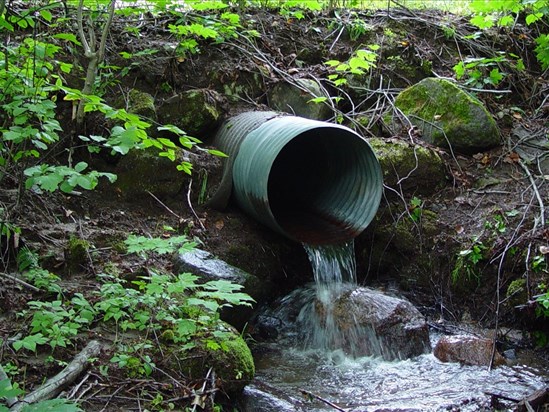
(312, 181)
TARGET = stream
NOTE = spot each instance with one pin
(306, 369)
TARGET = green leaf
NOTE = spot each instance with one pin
(217, 153)
(46, 15)
(185, 327)
(211, 305)
(507, 20)
(318, 100)
(8, 391)
(459, 70)
(495, 76)
(185, 167)
(332, 63)
(532, 18)
(167, 142)
(53, 405)
(483, 22)
(79, 167)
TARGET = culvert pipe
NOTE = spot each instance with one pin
(312, 181)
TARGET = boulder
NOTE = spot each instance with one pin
(467, 350)
(224, 351)
(197, 112)
(448, 117)
(145, 170)
(141, 103)
(208, 267)
(375, 323)
(295, 98)
(409, 168)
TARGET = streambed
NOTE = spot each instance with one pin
(306, 369)
(371, 384)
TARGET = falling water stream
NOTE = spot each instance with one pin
(307, 357)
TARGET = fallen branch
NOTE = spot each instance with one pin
(22, 282)
(536, 192)
(327, 402)
(55, 385)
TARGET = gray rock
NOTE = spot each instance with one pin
(391, 327)
(448, 117)
(292, 98)
(467, 350)
(208, 267)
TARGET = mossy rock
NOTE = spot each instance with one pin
(517, 293)
(448, 117)
(142, 171)
(295, 99)
(197, 112)
(410, 168)
(76, 254)
(141, 103)
(226, 353)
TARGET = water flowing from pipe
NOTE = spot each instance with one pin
(334, 270)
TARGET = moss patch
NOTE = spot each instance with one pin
(226, 353)
(76, 254)
(448, 116)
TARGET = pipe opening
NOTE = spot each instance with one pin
(318, 185)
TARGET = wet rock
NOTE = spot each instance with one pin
(448, 117)
(256, 399)
(467, 350)
(423, 168)
(197, 112)
(389, 326)
(267, 327)
(294, 98)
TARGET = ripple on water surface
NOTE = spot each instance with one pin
(371, 384)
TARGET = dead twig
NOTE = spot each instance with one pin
(165, 207)
(536, 192)
(327, 402)
(191, 206)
